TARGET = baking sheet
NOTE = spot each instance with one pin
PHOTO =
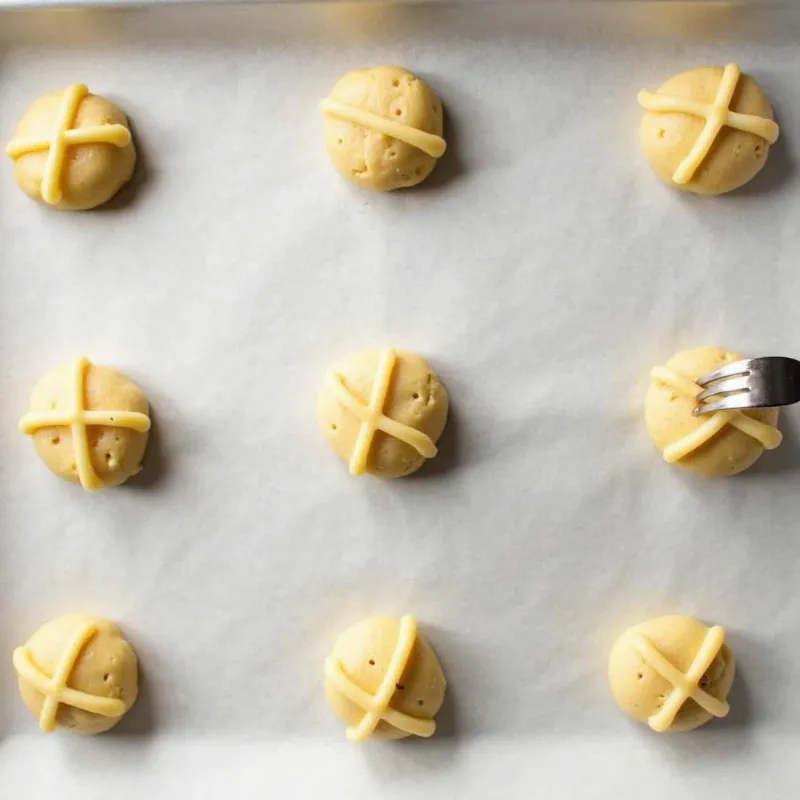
(543, 270)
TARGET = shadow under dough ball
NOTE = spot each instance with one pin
(672, 672)
(72, 150)
(708, 130)
(713, 445)
(89, 424)
(383, 128)
(79, 673)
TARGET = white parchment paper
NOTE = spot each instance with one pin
(543, 271)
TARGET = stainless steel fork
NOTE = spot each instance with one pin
(753, 383)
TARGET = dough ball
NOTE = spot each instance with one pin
(92, 173)
(105, 667)
(115, 453)
(735, 157)
(365, 651)
(670, 419)
(376, 160)
(641, 690)
(414, 397)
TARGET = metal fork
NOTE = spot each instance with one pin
(752, 383)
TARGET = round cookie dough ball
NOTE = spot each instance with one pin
(383, 412)
(669, 132)
(111, 445)
(98, 159)
(724, 443)
(644, 655)
(384, 660)
(383, 128)
(92, 666)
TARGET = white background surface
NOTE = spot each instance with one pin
(543, 270)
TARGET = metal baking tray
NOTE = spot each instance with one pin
(542, 269)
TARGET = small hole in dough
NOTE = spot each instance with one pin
(392, 154)
(662, 133)
(372, 662)
(55, 440)
(673, 398)
(639, 676)
(106, 677)
(111, 419)
(400, 687)
(404, 176)
(398, 112)
(420, 703)
(73, 467)
(418, 171)
(116, 438)
(415, 396)
(333, 427)
(108, 456)
(340, 141)
(395, 83)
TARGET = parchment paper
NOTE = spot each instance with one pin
(543, 271)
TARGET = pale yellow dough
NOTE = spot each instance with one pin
(72, 150)
(724, 443)
(77, 672)
(383, 412)
(672, 672)
(89, 424)
(383, 679)
(710, 151)
(383, 128)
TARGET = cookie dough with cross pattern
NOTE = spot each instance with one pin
(79, 673)
(72, 150)
(89, 424)
(707, 130)
(383, 412)
(672, 672)
(383, 679)
(719, 444)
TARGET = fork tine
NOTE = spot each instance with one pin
(728, 371)
(732, 386)
(733, 402)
